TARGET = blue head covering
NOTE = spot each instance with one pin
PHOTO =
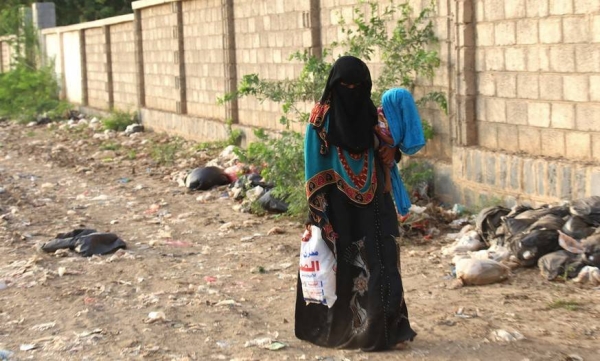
(407, 131)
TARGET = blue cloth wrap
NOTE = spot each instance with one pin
(407, 131)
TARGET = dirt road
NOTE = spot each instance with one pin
(201, 281)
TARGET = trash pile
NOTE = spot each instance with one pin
(246, 185)
(562, 240)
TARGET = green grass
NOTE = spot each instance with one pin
(566, 304)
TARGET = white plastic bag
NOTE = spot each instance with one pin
(317, 269)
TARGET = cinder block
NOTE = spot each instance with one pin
(488, 135)
(516, 112)
(540, 175)
(562, 58)
(494, 10)
(563, 116)
(494, 59)
(490, 169)
(551, 87)
(515, 59)
(504, 33)
(527, 31)
(514, 9)
(596, 147)
(528, 86)
(530, 140)
(587, 58)
(596, 28)
(552, 179)
(587, 117)
(565, 180)
(507, 136)
(506, 85)
(595, 88)
(537, 8)
(579, 185)
(486, 84)
(575, 29)
(538, 114)
(578, 145)
(496, 110)
(595, 182)
(551, 30)
(477, 168)
(575, 88)
(529, 176)
(533, 58)
(485, 34)
(561, 7)
(587, 6)
(553, 142)
(515, 164)
(502, 177)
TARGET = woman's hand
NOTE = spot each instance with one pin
(387, 155)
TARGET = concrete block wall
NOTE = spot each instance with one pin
(97, 68)
(521, 79)
(123, 66)
(538, 66)
(161, 64)
(481, 177)
(266, 34)
(204, 58)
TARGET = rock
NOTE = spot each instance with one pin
(505, 336)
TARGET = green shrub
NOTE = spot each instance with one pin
(119, 120)
(26, 93)
(281, 160)
(166, 153)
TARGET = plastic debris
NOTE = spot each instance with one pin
(505, 336)
(481, 272)
(5, 355)
(155, 317)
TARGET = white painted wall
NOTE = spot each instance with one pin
(72, 59)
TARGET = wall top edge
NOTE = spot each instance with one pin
(140, 4)
(90, 24)
(8, 37)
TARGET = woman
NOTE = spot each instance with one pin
(345, 191)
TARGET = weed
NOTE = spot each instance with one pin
(165, 153)
(119, 120)
(132, 155)
(566, 304)
(30, 133)
(110, 146)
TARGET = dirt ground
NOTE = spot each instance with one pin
(202, 281)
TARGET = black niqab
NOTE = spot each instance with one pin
(352, 114)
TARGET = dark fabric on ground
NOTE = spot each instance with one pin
(87, 242)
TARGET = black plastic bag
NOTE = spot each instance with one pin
(272, 204)
(86, 242)
(205, 178)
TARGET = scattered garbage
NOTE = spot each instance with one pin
(155, 317)
(86, 242)
(481, 271)
(563, 241)
(133, 128)
(5, 355)
(204, 178)
(506, 336)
